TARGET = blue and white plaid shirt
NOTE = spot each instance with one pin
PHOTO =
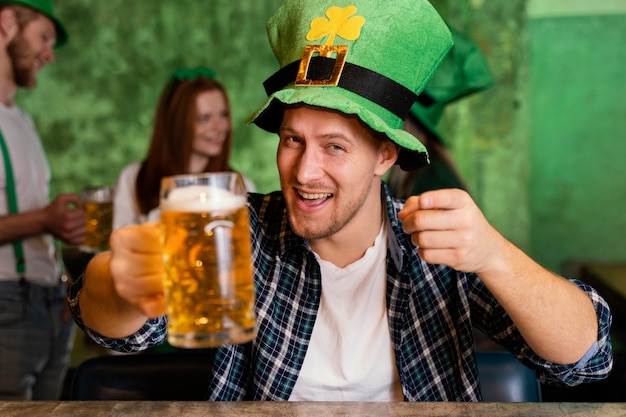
(431, 309)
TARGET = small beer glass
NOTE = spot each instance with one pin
(97, 202)
(205, 236)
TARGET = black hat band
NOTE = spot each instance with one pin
(366, 83)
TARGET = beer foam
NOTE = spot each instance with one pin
(197, 198)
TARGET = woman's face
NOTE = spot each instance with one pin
(212, 123)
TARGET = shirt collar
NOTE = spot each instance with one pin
(395, 233)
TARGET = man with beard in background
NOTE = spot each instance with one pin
(36, 332)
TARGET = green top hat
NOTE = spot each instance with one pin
(362, 57)
(464, 71)
(45, 7)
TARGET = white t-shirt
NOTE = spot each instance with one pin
(125, 207)
(31, 174)
(350, 357)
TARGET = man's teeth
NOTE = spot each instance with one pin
(314, 196)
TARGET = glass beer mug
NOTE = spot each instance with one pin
(97, 202)
(205, 236)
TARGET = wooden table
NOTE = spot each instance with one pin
(305, 409)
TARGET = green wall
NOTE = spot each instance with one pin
(542, 150)
(578, 176)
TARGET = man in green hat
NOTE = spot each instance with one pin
(36, 332)
(359, 296)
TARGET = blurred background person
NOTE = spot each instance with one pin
(36, 331)
(192, 133)
(464, 71)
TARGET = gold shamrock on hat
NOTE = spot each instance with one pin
(339, 23)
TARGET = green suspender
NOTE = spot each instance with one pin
(18, 249)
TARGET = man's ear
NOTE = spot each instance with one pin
(389, 152)
(8, 24)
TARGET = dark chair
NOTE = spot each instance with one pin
(503, 378)
(150, 377)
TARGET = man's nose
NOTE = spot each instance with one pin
(310, 166)
(48, 56)
(217, 123)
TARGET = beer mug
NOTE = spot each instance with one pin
(205, 236)
(97, 202)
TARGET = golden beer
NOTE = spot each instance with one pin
(99, 223)
(208, 269)
(97, 203)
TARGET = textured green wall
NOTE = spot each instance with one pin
(94, 107)
(578, 181)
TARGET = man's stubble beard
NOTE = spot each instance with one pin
(22, 61)
(338, 220)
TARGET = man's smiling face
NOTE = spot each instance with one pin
(32, 49)
(328, 162)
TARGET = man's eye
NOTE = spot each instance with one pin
(48, 37)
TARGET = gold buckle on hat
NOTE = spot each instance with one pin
(341, 52)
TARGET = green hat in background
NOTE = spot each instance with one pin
(44, 7)
(464, 71)
(363, 57)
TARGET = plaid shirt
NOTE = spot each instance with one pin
(431, 309)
